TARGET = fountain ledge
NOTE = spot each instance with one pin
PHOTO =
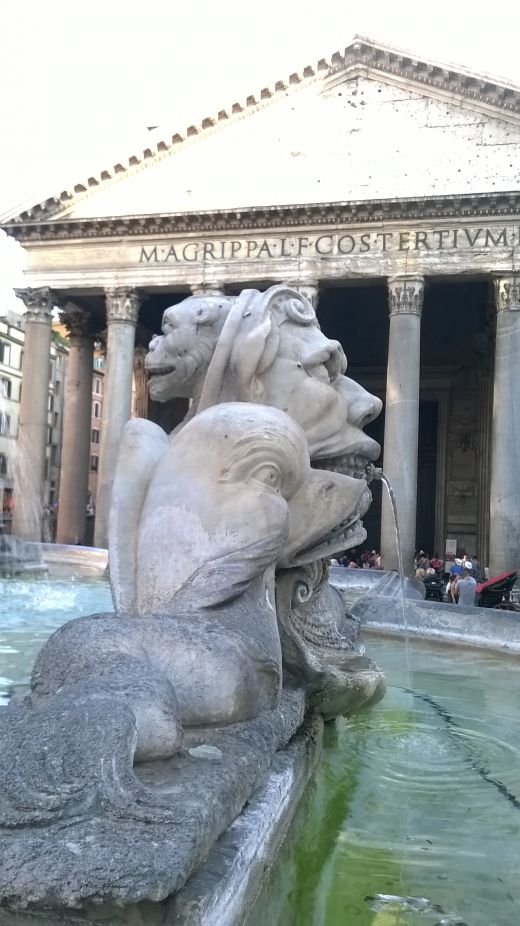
(223, 890)
(486, 628)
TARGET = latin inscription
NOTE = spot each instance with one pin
(330, 246)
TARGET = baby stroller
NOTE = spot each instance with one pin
(496, 592)
(434, 586)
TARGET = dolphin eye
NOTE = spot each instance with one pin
(269, 474)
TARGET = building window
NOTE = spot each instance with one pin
(5, 424)
(56, 419)
(97, 407)
(94, 463)
(3, 464)
(97, 386)
(95, 436)
(5, 353)
(50, 403)
(5, 387)
(49, 435)
(99, 363)
(57, 387)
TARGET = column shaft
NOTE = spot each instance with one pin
(402, 420)
(504, 533)
(122, 310)
(77, 418)
(32, 432)
(140, 384)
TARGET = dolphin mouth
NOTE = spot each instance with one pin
(344, 537)
(349, 533)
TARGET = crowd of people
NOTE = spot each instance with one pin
(461, 582)
(463, 577)
(358, 559)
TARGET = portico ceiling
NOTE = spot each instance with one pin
(370, 124)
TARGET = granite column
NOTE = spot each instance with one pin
(405, 294)
(77, 418)
(504, 532)
(33, 424)
(122, 310)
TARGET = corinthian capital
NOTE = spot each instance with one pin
(507, 293)
(405, 295)
(39, 304)
(77, 321)
(122, 305)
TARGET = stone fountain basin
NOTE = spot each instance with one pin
(357, 583)
(62, 559)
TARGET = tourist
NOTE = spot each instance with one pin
(422, 561)
(436, 563)
(451, 588)
(456, 569)
(466, 586)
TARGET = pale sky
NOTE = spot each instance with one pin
(82, 79)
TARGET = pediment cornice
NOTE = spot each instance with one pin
(433, 208)
(478, 91)
(361, 57)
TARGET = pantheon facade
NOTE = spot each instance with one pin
(385, 188)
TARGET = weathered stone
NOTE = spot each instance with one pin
(266, 348)
(321, 643)
(110, 847)
(185, 680)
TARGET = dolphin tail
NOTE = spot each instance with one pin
(69, 756)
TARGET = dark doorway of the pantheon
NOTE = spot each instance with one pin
(455, 316)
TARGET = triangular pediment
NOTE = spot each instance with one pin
(371, 123)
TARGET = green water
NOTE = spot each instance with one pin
(417, 797)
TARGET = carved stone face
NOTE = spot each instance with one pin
(306, 379)
(295, 368)
(190, 332)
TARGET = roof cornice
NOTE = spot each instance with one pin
(479, 91)
(355, 212)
